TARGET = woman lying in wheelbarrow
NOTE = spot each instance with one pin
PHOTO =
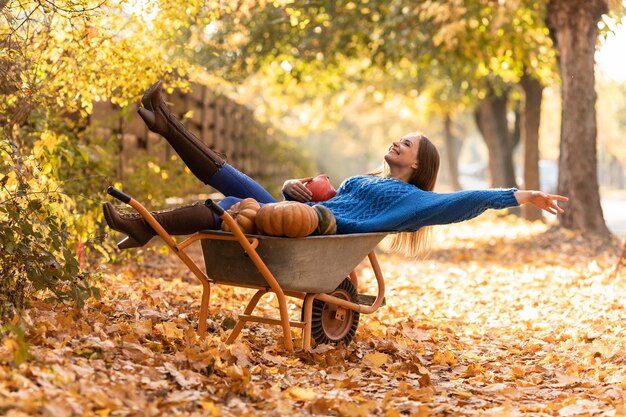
(400, 199)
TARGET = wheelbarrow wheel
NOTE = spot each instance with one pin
(331, 323)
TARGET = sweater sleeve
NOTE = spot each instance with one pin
(429, 208)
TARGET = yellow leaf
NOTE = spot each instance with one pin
(47, 141)
(210, 406)
(10, 345)
(392, 412)
(142, 327)
(422, 411)
(376, 359)
(518, 371)
(46, 168)
(301, 394)
(463, 394)
(377, 329)
(354, 372)
(236, 373)
(362, 410)
(474, 369)
(565, 380)
(170, 330)
(445, 358)
(322, 406)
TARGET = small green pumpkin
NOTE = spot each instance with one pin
(327, 224)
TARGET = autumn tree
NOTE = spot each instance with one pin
(57, 58)
(574, 25)
(531, 118)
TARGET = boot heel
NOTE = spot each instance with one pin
(129, 243)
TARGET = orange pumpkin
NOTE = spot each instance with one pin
(244, 213)
(286, 218)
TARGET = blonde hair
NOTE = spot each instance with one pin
(415, 244)
(412, 244)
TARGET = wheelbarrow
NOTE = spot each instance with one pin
(320, 270)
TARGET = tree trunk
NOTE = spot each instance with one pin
(493, 125)
(516, 134)
(531, 117)
(574, 26)
(121, 167)
(621, 264)
(452, 148)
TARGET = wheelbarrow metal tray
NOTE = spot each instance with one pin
(315, 264)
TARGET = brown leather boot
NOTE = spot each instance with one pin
(179, 221)
(201, 160)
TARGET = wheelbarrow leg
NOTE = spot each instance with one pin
(249, 309)
(308, 316)
(355, 279)
(204, 309)
(284, 319)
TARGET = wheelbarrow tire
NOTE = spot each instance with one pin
(325, 327)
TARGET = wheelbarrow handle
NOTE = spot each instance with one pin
(123, 197)
(213, 206)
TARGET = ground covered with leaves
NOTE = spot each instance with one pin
(504, 318)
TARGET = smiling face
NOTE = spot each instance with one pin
(415, 160)
(402, 154)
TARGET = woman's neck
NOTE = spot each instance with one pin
(399, 174)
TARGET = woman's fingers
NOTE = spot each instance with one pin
(550, 203)
(302, 197)
(553, 202)
(299, 191)
(305, 192)
(547, 202)
(558, 197)
(556, 207)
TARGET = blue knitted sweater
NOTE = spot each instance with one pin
(375, 204)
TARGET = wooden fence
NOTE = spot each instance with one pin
(224, 125)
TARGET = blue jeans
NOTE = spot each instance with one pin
(236, 186)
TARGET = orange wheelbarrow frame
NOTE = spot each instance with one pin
(249, 244)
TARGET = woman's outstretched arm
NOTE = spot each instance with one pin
(429, 208)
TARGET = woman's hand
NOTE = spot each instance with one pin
(545, 201)
(297, 190)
